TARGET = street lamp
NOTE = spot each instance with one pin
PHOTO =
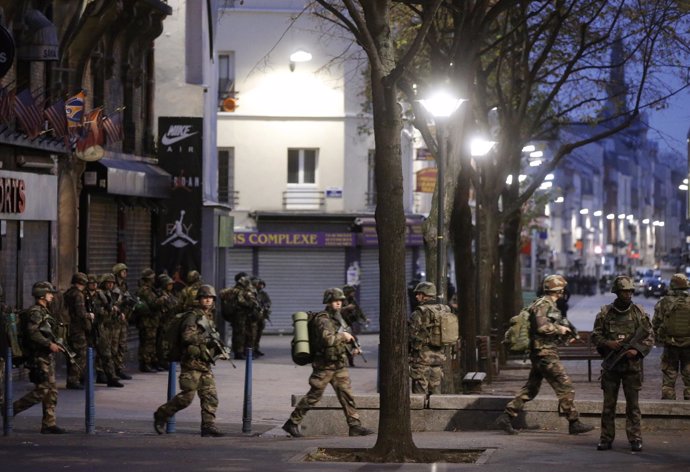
(441, 105)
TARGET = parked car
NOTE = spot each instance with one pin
(645, 277)
(656, 288)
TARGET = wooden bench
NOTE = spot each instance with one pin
(582, 349)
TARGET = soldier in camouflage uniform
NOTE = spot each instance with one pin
(196, 375)
(107, 318)
(38, 329)
(671, 325)
(265, 313)
(352, 313)
(167, 309)
(426, 361)
(241, 308)
(187, 296)
(545, 335)
(5, 342)
(615, 324)
(147, 321)
(120, 293)
(329, 367)
(80, 324)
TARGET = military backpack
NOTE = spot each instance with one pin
(171, 342)
(444, 328)
(677, 323)
(517, 337)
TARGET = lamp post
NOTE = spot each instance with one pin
(441, 106)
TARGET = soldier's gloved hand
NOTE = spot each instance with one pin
(613, 345)
(348, 337)
(631, 353)
(563, 330)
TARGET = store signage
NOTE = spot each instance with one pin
(297, 239)
(26, 196)
(426, 180)
(6, 51)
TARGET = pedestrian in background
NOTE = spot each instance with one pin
(671, 325)
(614, 328)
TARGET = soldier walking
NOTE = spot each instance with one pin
(39, 330)
(264, 314)
(614, 329)
(196, 376)
(329, 367)
(121, 294)
(80, 324)
(426, 361)
(671, 325)
(545, 336)
(241, 309)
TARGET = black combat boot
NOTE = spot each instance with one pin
(114, 382)
(159, 423)
(504, 422)
(101, 378)
(52, 430)
(145, 368)
(578, 427)
(359, 430)
(636, 445)
(211, 432)
(292, 429)
(123, 376)
(604, 445)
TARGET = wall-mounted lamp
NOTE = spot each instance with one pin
(299, 56)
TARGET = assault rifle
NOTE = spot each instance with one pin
(615, 356)
(71, 355)
(215, 341)
(574, 334)
(354, 343)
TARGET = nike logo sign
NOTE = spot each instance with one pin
(169, 140)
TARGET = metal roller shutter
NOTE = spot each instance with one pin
(239, 260)
(35, 263)
(102, 235)
(8, 260)
(296, 279)
(369, 287)
(137, 243)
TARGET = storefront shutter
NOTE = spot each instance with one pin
(8, 260)
(137, 243)
(239, 260)
(35, 257)
(102, 235)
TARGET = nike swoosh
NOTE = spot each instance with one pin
(166, 141)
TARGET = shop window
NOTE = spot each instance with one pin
(226, 176)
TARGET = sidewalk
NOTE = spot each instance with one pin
(125, 437)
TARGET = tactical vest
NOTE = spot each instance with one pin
(677, 322)
(328, 353)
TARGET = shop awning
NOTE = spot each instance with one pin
(127, 177)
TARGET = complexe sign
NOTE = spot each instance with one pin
(297, 239)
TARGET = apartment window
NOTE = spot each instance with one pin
(301, 166)
(226, 175)
(226, 77)
(371, 179)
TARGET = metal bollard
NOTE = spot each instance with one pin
(172, 372)
(89, 409)
(247, 406)
(9, 410)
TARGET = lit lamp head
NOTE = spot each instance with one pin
(442, 104)
(299, 56)
(481, 147)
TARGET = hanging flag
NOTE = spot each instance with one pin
(74, 110)
(6, 105)
(55, 114)
(27, 113)
(92, 134)
(112, 126)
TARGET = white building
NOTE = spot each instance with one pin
(298, 149)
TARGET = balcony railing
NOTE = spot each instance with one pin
(303, 199)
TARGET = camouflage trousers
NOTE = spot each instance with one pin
(104, 348)
(426, 379)
(339, 378)
(672, 359)
(147, 343)
(119, 345)
(238, 324)
(610, 384)
(193, 381)
(45, 390)
(260, 326)
(78, 343)
(551, 369)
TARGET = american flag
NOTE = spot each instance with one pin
(112, 125)
(55, 114)
(92, 134)
(27, 114)
(6, 105)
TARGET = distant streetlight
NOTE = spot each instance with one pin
(441, 105)
(299, 56)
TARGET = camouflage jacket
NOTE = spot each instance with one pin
(196, 353)
(352, 313)
(671, 313)
(329, 346)
(544, 330)
(419, 326)
(239, 301)
(615, 324)
(38, 330)
(76, 307)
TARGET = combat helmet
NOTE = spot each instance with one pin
(40, 289)
(148, 274)
(80, 278)
(164, 280)
(193, 276)
(333, 294)
(347, 289)
(427, 288)
(108, 278)
(119, 267)
(239, 275)
(622, 282)
(92, 278)
(206, 291)
(679, 282)
(554, 283)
